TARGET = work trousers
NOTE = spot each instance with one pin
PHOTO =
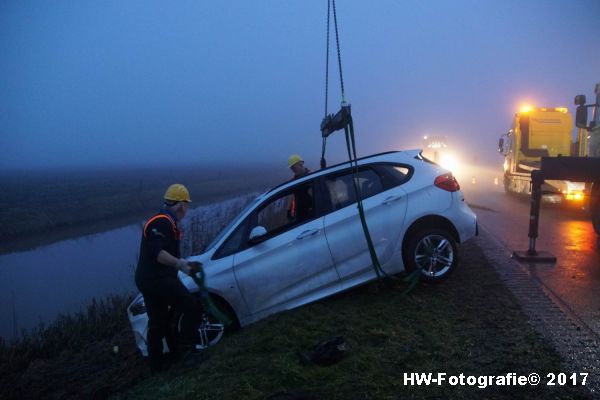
(159, 297)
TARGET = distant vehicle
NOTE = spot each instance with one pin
(303, 240)
(536, 133)
(437, 149)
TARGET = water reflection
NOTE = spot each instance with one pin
(65, 276)
(577, 242)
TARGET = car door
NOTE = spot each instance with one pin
(384, 203)
(291, 264)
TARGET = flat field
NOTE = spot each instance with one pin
(40, 207)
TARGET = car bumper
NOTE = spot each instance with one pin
(465, 220)
(138, 319)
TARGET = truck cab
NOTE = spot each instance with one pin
(536, 133)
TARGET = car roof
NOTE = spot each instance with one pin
(389, 156)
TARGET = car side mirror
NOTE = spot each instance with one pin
(501, 145)
(257, 235)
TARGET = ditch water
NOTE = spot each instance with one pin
(61, 278)
(38, 285)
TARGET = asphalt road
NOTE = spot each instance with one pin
(566, 233)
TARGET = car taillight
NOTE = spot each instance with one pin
(447, 182)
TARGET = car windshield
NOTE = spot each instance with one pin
(231, 223)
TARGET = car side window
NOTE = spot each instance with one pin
(237, 241)
(278, 214)
(393, 175)
(290, 208)
(341, 187)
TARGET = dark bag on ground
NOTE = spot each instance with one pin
(328, 352)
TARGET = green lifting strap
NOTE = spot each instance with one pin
(413, 278)
(207, 302)
(351, 147)
(343, 118)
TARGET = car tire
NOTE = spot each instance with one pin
(432, 251)
(211, 330)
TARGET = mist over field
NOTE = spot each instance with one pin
(151, 83)
(104, 104)
(43, 206)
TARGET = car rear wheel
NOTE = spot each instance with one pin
(433, 252)
(210, 331)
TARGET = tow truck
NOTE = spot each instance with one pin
(536, 133)
(583, 167)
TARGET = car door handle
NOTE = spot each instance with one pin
(307, 233)
(390, 199)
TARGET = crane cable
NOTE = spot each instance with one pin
(330, 5)
(350, 142)
(323, 162)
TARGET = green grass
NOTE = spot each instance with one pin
(470, 324)
(73, 357)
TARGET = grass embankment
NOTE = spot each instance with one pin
(470, 324)
(74, 356)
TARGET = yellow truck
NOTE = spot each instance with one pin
(536, 133)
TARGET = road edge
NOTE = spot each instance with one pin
(572, 338)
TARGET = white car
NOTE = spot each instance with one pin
(303, 240)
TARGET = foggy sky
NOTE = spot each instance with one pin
(140, 82)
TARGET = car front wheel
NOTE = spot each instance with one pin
(210, 331)
(433, 252)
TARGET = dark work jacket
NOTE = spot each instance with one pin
(160, 233)
(300, 175)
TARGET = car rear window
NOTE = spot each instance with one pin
(393, 175)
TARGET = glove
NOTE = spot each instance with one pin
(195, 266)
(188, 267)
